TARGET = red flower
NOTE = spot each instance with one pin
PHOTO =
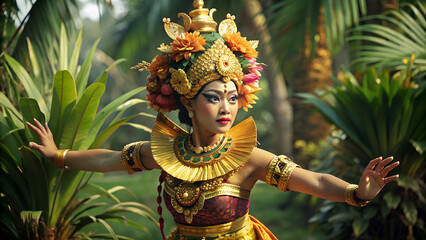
(152, 98)
(162, 101)
(166, 89)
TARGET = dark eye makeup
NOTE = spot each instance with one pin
(211, 97)
(233, 99)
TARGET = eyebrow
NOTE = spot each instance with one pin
(220, 92)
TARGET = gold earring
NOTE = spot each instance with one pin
(190, 114)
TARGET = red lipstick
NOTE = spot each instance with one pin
(223, 121)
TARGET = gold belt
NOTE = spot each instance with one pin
(240, 228)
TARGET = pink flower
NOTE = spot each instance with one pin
(251, 78)
(255, 67)
(166, 89)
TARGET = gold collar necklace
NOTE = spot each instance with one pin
(204, 149)
(172, 152)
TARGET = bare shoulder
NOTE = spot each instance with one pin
(247, 175)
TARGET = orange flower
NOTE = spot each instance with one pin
(160, 67)
(240, 44)
(247, 96)
(189, 43)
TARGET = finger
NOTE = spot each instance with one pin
(383, 163)
(34, 146)
(35, 129)
(40, 126)
(48, 130)
(373, 163)
(391, 178)
(389, 168)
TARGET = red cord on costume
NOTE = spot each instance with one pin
(159, 208)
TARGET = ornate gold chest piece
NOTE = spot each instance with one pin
(188, 198)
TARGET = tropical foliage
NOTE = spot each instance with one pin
(294, 25)
(379, 116)
(400, 34)
(42, 24)
(38, 199)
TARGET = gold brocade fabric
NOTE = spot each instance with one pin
(244, 228)
(167, 144)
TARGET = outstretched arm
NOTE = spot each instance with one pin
(332, 188)
(325, 186)
(94, 160)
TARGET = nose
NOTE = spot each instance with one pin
(224, 108)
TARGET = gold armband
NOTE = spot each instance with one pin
(130, 158)
(59, 158)
(279, 171)
(351, 198)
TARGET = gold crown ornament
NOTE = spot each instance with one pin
(199, 55)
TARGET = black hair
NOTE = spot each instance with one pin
(183, 112)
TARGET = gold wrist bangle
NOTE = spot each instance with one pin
(350, 197)
(59, 158)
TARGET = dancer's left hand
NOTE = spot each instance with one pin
(375, 177)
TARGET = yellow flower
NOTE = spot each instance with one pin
(152, 87)
(179, 81)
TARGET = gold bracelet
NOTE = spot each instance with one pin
(59, 158)
(351, 198)
(130, 158)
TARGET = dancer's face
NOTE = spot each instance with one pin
(216, 107)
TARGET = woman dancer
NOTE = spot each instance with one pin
(208, 172)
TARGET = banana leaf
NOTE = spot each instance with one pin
(63, 100)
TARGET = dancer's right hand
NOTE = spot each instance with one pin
(47, 146)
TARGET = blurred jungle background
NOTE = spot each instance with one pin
(344, 82)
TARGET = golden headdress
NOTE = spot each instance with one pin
(199, 55)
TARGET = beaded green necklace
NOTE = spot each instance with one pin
(184, 153)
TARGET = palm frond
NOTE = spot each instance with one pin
(292, 21)
(43, 27)
(402, 34)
